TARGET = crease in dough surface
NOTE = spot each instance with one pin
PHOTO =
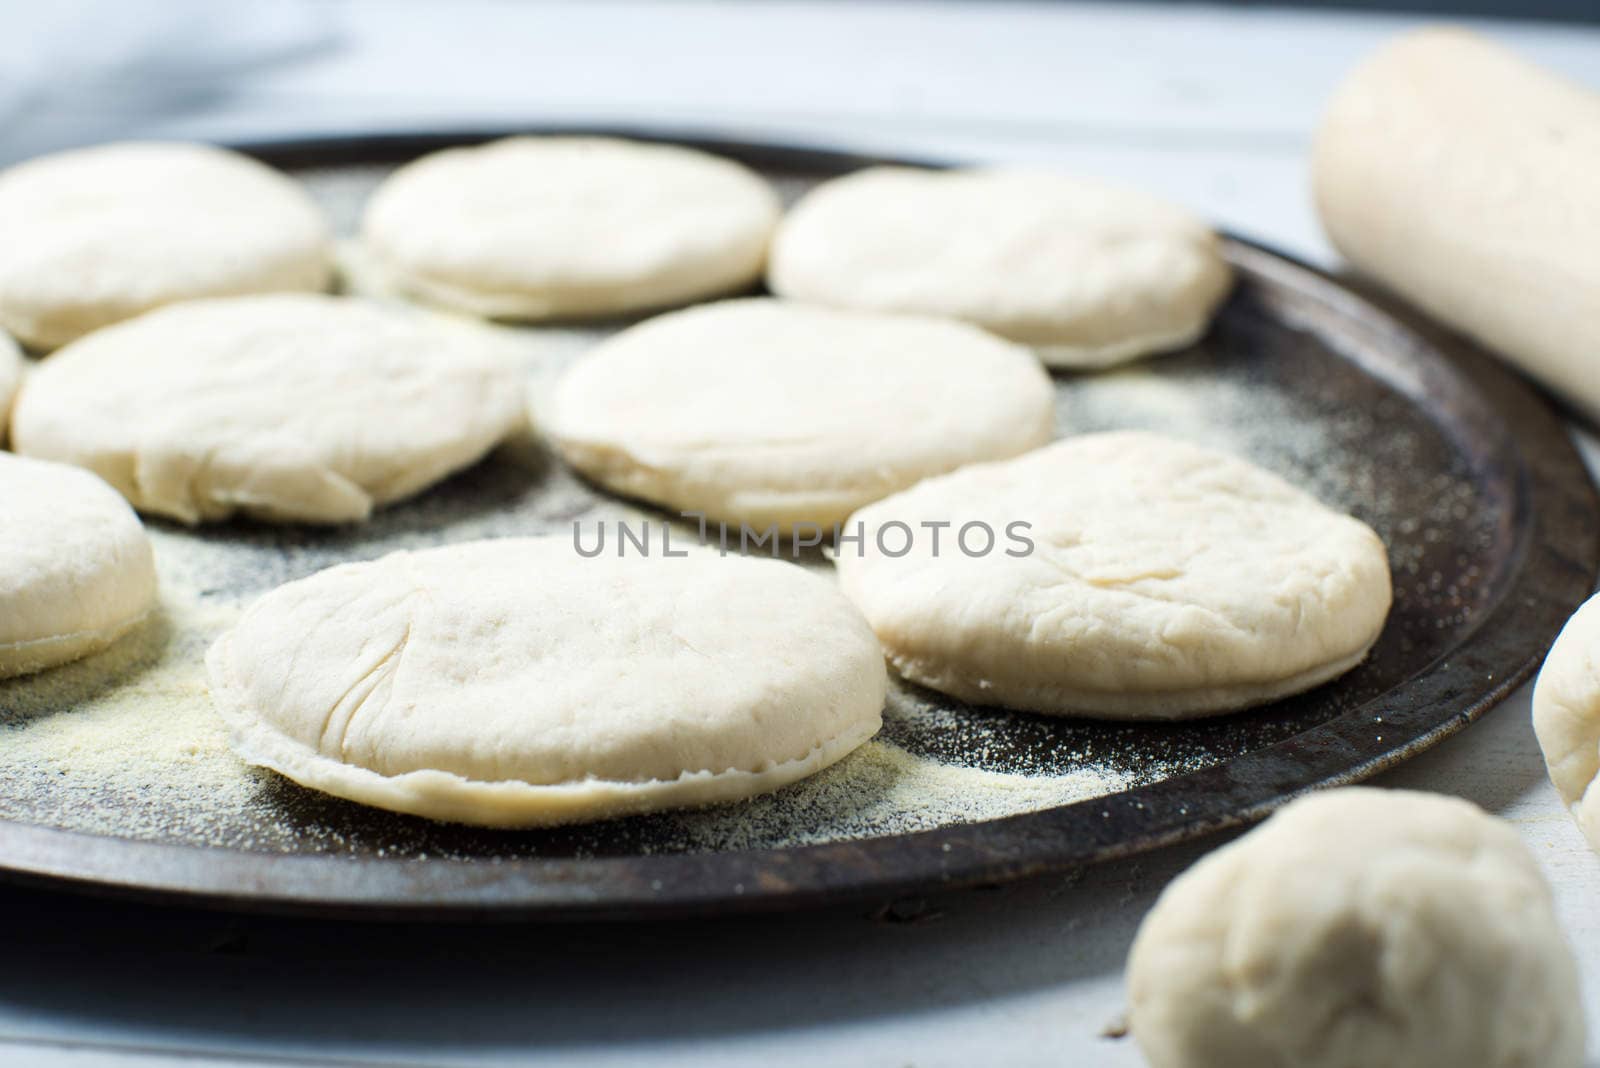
(515, 683)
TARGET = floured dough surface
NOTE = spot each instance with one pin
(76, 569)
(1566, 717)
(1092, 275)
(1359, 928)
(771, 412)
(291, 407)
(561, 227)
(10, 379)
(516, 683)
(1165, 581)
(97, 235)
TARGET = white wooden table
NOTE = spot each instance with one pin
(1211, 106)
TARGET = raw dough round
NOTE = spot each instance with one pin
(97, 235)
(768, 412)
(10, 379)
(291, 407)
(551, 227)
(514, 683)
(76, 569)
(1092, 275)
(1165, 581)
(1566, 716)
(1359, 928)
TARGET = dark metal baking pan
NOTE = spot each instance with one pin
(1489, 516)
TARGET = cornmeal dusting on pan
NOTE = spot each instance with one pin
(127, 744)
(1225, 413)
(883, 789)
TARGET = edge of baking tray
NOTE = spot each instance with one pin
(1557, 559)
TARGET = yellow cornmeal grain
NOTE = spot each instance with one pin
(127, 744)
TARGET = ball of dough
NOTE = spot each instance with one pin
(10, 379)
(554, 227)
(771, 413)
(1122, 575)
(291, 407)
(515, 683)
(97, 235)
(1566, 716)
(1359, 928)
(76, 569)
(1092, 275)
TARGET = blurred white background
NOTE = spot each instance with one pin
(1212, 105)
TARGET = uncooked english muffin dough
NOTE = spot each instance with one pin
(560, 227)
(769, 412)
(97, 235)
(1566, 717)
(1089, 274)
(291, 407)
(516, 683)
(10, 378)
(1122, 575)
(76, 569)
(1359, 928)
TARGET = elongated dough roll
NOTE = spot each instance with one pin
(1469, 181)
